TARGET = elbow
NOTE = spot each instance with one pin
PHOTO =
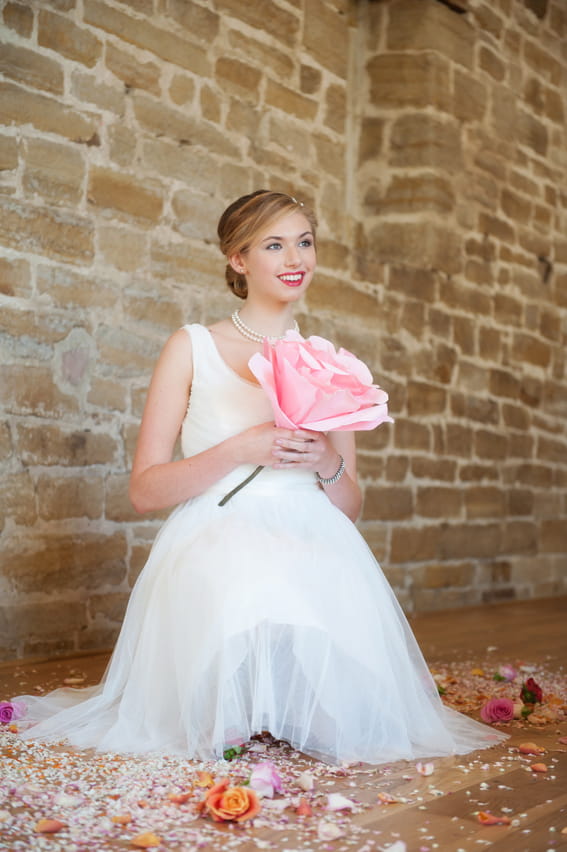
(137, 498)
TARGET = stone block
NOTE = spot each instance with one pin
(59, 235)
(182, 89)
(470, 97)
(391, 503)
(520, 445)
(409, 435)
(325, 36)
(31, 68)
(520, 537)
(442, 469)
(162, 120)
(426, 25)
(425, 399)
(86, 87)
(17, 499)
(15, 277)
(469, 541)
(30, 621)
(489, 343)
(180, 262)
(169, 46)
(438, 501)
(64, 287)
(464, 329)
(125, 249)
(371, 138)
(281, 24)
(55, 171)
(19, 18)
(442, 576)
(520, 501)
(191, 165)
(396, 468)
(134, 73)
(329, 155)
(8, 153)
(265, 56)
(110, 606)
(401, 80)
(108, 394)
(490, 445)
(47, 445)
(335, 108)
(124, 352)
(87, 561)
(332, 294)
(553, 536)
(530, 349)
(19, 106)
(414, 544)
(504, 383)
(28, 389)
(112, 190)
(543, 62)
(552, 450)
(478, 473)
(414, 283)
(474, 408)
(62, 35)
(532, 133)
(309, 79)
(289, 101)
(200, 22)
(423, 140)
(507, 310)
(485, 502)
(421, 244)
(416, 192)
(491, 63)
(122, 145)
(239, 78)
(433, 600)
(70, 497)
(163, 314)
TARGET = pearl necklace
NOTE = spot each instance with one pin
(248, 332)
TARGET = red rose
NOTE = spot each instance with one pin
(531, 692)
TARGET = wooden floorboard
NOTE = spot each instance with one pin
(437, 812)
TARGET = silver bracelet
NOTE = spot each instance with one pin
(332, 479)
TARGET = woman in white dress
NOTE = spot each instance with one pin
(268, 613)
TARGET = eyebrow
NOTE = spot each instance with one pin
(274, 237)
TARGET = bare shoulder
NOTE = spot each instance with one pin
(176, 358)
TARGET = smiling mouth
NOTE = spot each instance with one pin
(292, 279)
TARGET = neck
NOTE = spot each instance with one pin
(271, 323)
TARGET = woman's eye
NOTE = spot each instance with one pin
(306, 243)
(273, 246)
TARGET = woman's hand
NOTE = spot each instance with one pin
(305, 449)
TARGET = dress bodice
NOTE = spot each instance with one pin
(222, 404)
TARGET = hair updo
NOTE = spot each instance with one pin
(244, 218)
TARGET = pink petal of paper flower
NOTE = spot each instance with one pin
(425, 768)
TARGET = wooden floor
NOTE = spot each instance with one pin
(430, 812)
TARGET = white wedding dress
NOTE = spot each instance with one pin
(266, 614)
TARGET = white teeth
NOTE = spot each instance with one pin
(290, 277)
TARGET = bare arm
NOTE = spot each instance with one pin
(156, 482)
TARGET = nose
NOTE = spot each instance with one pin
(292, 256)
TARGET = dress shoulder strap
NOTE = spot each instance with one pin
(201, 343)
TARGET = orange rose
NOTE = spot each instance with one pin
(225, 803)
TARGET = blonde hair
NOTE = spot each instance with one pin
(244, 218)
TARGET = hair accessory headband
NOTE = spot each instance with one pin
(295, 201)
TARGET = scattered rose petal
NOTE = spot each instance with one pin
(425, 768)
(398, 846)
(49, 826)
(122, 819)
(304, 808)
(538, 767)
(305, 781)
(388, 799)
(5, 816)
(73, 681)
(180, 798)
(492, 819)
(338, 802)
(328, 831)
(265, 779)
(530, 748)
(204, 779)
(146, 840)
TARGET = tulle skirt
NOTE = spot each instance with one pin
(267, 614)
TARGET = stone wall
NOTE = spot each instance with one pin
(431, 139)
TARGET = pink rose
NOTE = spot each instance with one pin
(312, 386)
(507, 672)
(265, 779)
(497, 710)
(10, 711)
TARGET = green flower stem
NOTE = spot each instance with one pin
(244, 482)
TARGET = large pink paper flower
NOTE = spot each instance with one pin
(312, 386)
